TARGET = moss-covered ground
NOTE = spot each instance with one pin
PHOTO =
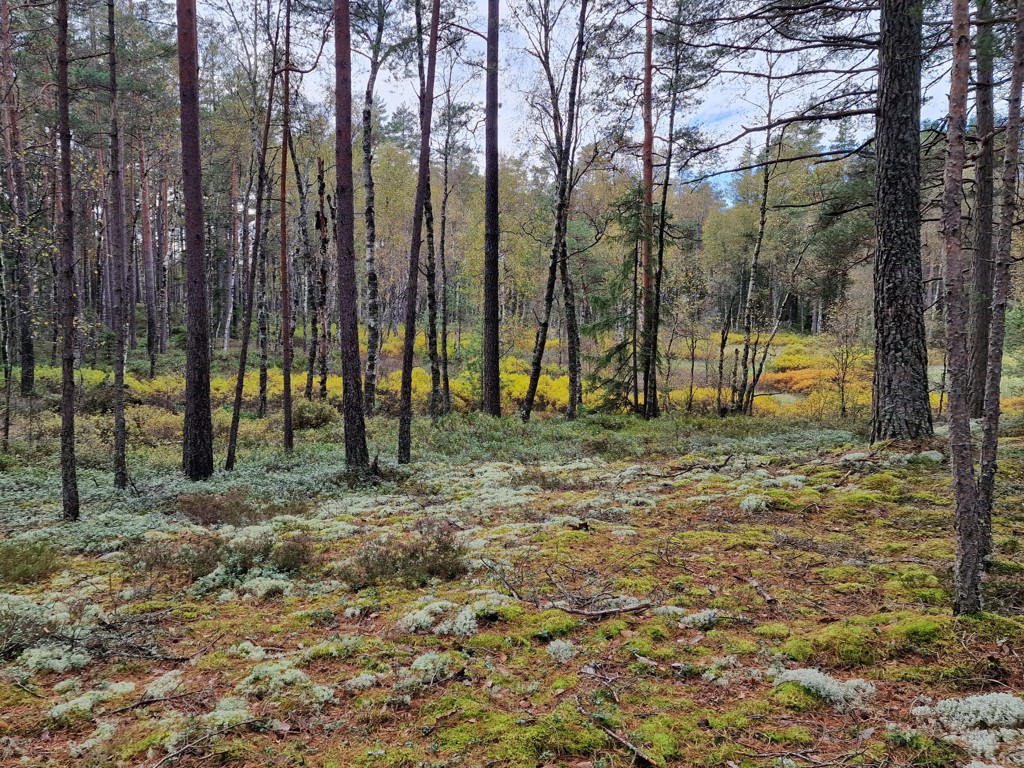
(603, 593)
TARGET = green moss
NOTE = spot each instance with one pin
(794, 697)
(663, 736)
(923, 751)
(797, 649)
(381, 757)
(918, 634)
(796, 735)
(510, 612)
(143, 744)
(487, 641)
(883, 482)
(11, 696)
(147, 606)
(738, 646)
(520, 743)
(550, 624)
(611, 629)
(847, 644)
(637, 585)
(772, 631)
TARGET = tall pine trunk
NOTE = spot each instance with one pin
(980, 317)
(148, 265)
(118, 250)
(967, 518)
(18, 192)
(197, 453)
(900, 407)
(287, 332)
(1001, 286)
(370, 216)
(250, 278)
(68, 308)
(229, 299)
(422, 191)
(490, 374)
(357, 456)
(647, 352)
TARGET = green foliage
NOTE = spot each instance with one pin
(25, 561)
(312, 414)
(433, 553)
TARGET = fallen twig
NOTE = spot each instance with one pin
(595, 614)
(193, 744)
(638, 753)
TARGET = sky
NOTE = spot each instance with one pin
(729, 105)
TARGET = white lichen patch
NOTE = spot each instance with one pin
(842, 695)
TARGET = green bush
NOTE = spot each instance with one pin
(433, 553)
(312, 414)
(22, 562)
(232, 507)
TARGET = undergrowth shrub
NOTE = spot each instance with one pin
(197, 558)
(312, 414)
(233, 507)
(432, 553)
(24, 561)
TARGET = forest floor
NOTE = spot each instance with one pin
(692, 591)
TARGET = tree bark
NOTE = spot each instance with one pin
(197, 458)
(900, 406)
(229, 300)
(148, 265)
(357, 456)
(564, 131)
(250, 279)
(981, 296)
(966, 521)
(118, 251)
(491, 377)
(324, 231)
(647, 352)
(286, 299)
(422, 191)
(370, 215)
(18, 191)
(1001, 286)
(68, 299)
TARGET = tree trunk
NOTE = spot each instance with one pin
(68, 308)
(967, 518)
(162, 251)
(422, 191)
(148, 266)
(900, 407)
(18, 191)
(981, 296)
(116, 236)
(651, 399)
(324, 231)
(647, 215)
(572, 332)
(431, 275)
(197, 456)
(229, 300)
(446, 394)
(372, 281)
(491, 378)
(357, 456)
(259, 231)
(564, 155)
(286, 297)
(1001, 286)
